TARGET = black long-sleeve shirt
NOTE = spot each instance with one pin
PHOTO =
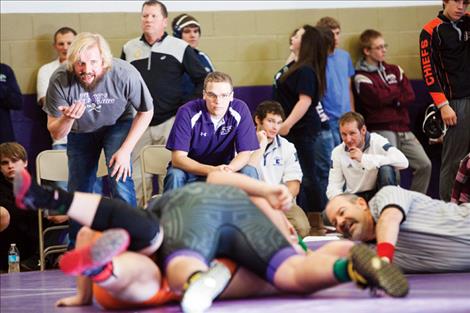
(445, 58)
(162, 66)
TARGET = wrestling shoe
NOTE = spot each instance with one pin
(79, 261)
(21, 185)
(369, 270)
(203, 287)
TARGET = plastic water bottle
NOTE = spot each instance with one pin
(13, 259)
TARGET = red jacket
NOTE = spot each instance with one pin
(383, 95)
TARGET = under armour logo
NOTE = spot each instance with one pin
(203, 134)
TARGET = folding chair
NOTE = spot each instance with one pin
(154, 160)
(52, 165)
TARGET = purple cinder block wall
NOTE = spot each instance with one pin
(30, 126)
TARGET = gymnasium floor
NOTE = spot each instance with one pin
(36, 292)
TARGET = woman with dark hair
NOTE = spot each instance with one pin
(298, 87)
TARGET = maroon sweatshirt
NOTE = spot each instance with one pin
(383, 95)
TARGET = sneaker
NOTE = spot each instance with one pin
(204, 287)
(21, 185)
(113, 242)
(377, 273)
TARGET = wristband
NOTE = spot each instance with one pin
(386, 249)
(443, 104)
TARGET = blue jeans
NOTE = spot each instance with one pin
(385, 177)
(83, 151)
(334, 127)
(323, 146)
(176, 178)
(97, 188)
(309, 198)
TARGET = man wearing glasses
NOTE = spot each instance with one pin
(384, 94)
(215, 133)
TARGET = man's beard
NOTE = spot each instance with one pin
(92, 85)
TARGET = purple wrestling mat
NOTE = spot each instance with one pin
(36, 292)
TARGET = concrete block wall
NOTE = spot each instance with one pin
(250, 46)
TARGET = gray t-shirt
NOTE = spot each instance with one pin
(120, 91)
(434, 236)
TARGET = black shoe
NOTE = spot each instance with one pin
(378, 274)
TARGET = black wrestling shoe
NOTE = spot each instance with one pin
(371, 271)
(203, 287)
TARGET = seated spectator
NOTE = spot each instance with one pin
(23, 225)
(186, 27)
(461, 188)
(208, 132)
(276, 160)
(384, 94)
(364, 162)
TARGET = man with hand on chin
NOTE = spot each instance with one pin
(207, 134)
(90, 101)
(364, 162)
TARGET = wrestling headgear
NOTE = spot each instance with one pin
(433, 125)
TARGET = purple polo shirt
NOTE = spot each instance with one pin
(193, 132)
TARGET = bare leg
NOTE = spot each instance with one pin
(180, 269)
(136, 278)
(306, 273)
(317, 270)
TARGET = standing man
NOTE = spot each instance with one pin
(186, 27)
(276, 160)
(162, 61)
(338, 98)
(91, 99)
(445, 64)
(364, 162)
(384, 94)
(208, 133)
(63, 38)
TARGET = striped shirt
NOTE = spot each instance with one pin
(461, 188)
(434, 235)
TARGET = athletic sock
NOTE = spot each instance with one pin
(55, 200)
(340, 270)
(101, 273)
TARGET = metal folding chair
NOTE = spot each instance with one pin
(52, 165)
(154, 160)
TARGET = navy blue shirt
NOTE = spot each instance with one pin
(10, 99)
(287, 92)
(194, 132)
(187, 85)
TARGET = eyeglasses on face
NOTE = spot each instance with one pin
(213, 96)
